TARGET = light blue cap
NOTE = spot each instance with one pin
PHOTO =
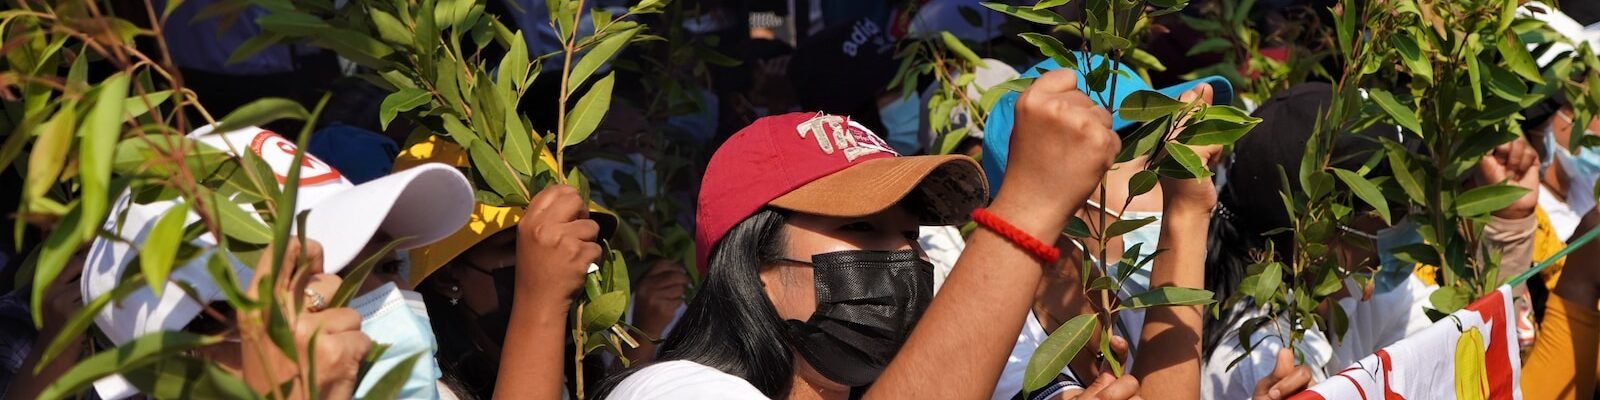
(997, 129)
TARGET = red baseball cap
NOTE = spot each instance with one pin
(823, 164)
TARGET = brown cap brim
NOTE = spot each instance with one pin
(941, 190)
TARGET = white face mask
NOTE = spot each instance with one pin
(1583, 168)
(399, 318)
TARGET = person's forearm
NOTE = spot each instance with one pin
(1513, 238)
(530, 363)
(1169, 363)
(960, 346)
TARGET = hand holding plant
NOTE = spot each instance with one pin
(555, 246)
(1516, 163)
(1061, 138)
(328, 343)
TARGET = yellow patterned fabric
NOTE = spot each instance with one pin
(1545, 245)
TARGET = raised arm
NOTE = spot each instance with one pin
(1169, 360)
(1061, 146)
(555, 244)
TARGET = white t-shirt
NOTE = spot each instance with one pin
(1562, 218)
(684, 380)
(1374, 323)
(944, 244)
(1219, 382)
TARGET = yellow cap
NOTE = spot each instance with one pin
(485, 220)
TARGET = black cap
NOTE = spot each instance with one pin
(843, 69)
(1279, 141)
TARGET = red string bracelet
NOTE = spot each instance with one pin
(1044, 252)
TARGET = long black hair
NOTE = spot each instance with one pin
(1250, 205)
(730, 324)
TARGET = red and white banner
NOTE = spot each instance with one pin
(1471, 354)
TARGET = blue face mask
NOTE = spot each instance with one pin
(399, 318)
(1147, 238)
(1392, 272)
(1583, 168)
(901, 118)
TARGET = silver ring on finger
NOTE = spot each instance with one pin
(317, 301)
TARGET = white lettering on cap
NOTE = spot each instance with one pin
(860, 33)
(279, 154)
(834, 131)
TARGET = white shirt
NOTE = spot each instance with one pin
(684, 380)
(944, 244)
(1562, 218)
(1217, 381)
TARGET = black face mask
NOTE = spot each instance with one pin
(867, 303)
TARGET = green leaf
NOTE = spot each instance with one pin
(1168, 296)
(1190, 161)
(238, 224)
(1263, 284)
(1212, 45)
(49, 153)
(461, 134)
(1366, 190)
(1404, 172)
(1401, 114)
(1416, 253)
(586, 116)
(293, 24)
(1028, 14)
(356, 274)
(187, 377)
(53, 255)
(1051, 47)
(99, 133)
(260, 112)
(355, 46)
(1517, 59)
(1138, 58)
(136, 106)
(1057, 350)
(617, 280)
(518, 149)
(1105, 282)
(1076, 228)
(1147, 105)
(1141, 182)
(603, 311)
(494, 170)
(138, 352)
(401, 101)
(598, 55)
(961, 50)
(390, 28)
(1127, 225)
(250, 48)
(1487, 199)
(1419, 64)
(1044, 4)
(1506, 85)
(1107, 41)
(1449, 299)
(390, 384)
(515, 62)
(161, 246)
(1213, 132)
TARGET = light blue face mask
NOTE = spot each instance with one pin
(901, 118)
(1147, 237)
(1583, 168)
(1392, 272)
(399, 319)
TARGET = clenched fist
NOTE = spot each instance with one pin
(1060, 147)
(555, 245)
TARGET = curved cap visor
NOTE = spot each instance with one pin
(419, 205)
(939, 190)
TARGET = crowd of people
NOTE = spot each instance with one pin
(829, 262)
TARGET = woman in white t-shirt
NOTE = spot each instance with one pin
(806, 239)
